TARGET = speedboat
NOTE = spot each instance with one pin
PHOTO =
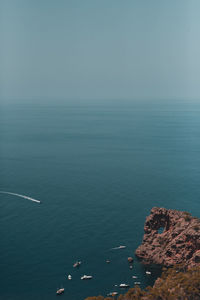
(134, 276)
(124, 285)
(60, 291)
(137, 282)
(77, 264)
(69, 277)
(119, 247)
(84, 277)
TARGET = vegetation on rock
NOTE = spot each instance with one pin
(176, 283)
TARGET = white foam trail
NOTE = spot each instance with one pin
(22, 196)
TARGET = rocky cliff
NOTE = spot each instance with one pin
(171, 237)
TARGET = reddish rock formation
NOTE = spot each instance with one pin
(178, 243)
(130, 259)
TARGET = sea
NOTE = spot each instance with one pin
(98, 167)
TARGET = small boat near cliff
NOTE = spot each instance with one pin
(148, 272)
(112, 294)
(60, 291)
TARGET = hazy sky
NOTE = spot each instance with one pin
(99, 49)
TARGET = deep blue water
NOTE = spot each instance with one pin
(98, 169)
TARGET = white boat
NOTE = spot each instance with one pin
(60, 291)
(69, 277)
(119, 247)
(134, 276)
(148, 272)
(124, 285)
(112, 294)
(84, 277)
(77, 264)
(137, 282)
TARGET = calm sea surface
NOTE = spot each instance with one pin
(98, 169)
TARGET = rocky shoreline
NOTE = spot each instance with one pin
(171, 238)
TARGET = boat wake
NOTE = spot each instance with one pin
(21, 196)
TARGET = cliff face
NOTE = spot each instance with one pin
(179, 242)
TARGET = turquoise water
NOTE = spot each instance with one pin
(98, 168)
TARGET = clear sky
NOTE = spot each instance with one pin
(99, 49)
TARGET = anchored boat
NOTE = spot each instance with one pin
(60, 291)
(113, 294)
(77, 264)
(148, 272)
(124, 285)
(85, 277)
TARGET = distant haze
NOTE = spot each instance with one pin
(106, 49)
